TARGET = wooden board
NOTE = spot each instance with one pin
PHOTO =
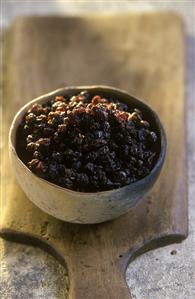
(141, 53)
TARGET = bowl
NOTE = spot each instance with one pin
(81, 207)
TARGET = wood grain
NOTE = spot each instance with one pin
(140, 53)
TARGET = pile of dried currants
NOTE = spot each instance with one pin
(87, 142)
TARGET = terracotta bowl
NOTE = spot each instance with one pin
(81, 207)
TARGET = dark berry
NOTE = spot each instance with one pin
(43, 144)
(66, 182)
(30, 138)
(142, 134)
(152, 137)
(91, 157)
(62, 129)
(58, 157)
(47, 132)
(85, 94)
(30, 118)
(82, 179)
(31, 146)
(89, 168)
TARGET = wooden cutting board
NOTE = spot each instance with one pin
(141, 53)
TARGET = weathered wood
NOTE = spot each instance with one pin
(142, 54)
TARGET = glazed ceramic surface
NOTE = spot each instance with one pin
(81, 207)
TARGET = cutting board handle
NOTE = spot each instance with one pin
(89, 277)
(97, 283)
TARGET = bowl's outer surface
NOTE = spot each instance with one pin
(80, 207)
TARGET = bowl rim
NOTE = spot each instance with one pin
(106, 88)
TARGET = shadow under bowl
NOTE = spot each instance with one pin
(81, 207)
